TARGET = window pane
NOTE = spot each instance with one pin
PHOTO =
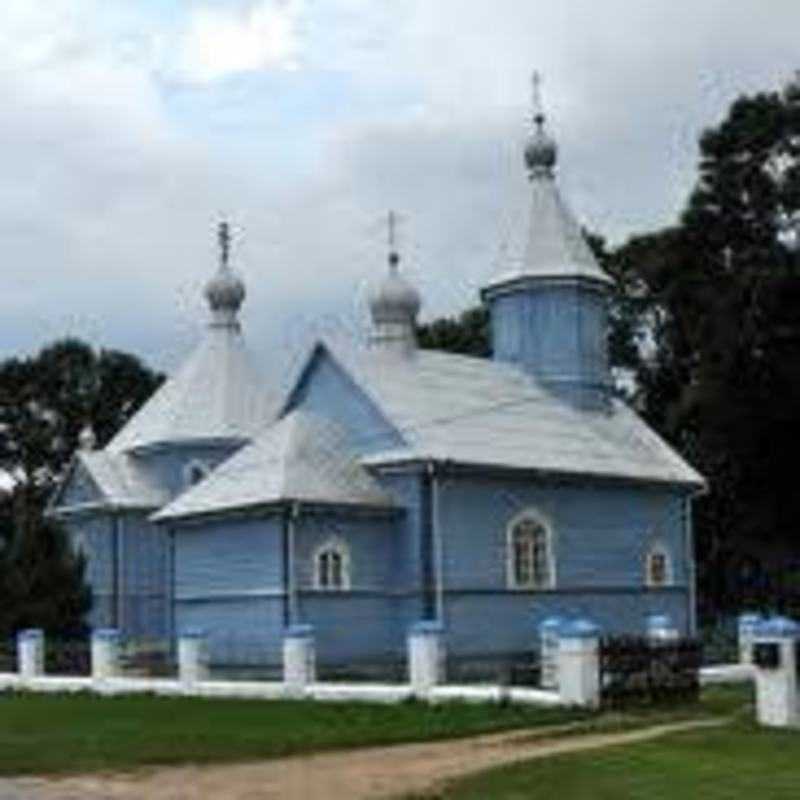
(658, 569)
(522, 563)
(336, 570)
(323, 570)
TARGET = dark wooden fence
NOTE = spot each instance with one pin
(637, 671)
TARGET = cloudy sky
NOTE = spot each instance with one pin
(128, 128)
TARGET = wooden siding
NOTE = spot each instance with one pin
(326, 390)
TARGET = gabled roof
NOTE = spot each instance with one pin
(121, 481)
(556, 248)
(481, 412)
(216, 394)
(302, 458)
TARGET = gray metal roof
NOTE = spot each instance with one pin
(556, 247)
(216, 394)
(122, 480)
(481, 412)
(302, 457)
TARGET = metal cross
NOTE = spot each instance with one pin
(538, 111)
(392, 230)
(224, 236)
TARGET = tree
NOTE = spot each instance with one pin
(46, 400)
(722, 381)
(41, 580)
(467, 334)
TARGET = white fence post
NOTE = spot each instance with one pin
(105, 654)
(774, 661)
(548, 652)
(193, 656)
(299, 657)
(426, 655)
(746, 630)
(30, 653)
(579, 664)
(661, 629)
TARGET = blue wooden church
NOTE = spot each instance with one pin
(392, 484)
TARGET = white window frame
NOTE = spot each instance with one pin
(658, 549)
(338, 547)
(533, 516)
(189, 470)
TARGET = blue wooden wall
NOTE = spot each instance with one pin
(229, 582)
(328, 391)
(167, 465)
(601, 535)
(555, 332)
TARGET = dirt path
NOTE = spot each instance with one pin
(367, 774)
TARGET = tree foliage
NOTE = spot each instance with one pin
(46, 400)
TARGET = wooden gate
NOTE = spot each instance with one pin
(638, 671)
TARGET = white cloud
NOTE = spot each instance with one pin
(219, 42)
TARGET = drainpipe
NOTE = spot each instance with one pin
(120, 575)
(291, 580)
(690, 557)
(170, 590)
(438, 548)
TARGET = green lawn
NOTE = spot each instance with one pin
(74, 733)
(737, 762)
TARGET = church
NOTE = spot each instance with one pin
(391, 484)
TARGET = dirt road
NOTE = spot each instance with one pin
(367, 774)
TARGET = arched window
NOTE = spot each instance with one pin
(657, 567)
(332, 566)
(194, 472)
(530, 553)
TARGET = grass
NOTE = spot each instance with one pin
(85, 733)
(735, 762)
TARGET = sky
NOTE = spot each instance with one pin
(128, 130)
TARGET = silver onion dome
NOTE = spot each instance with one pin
(541, 150)
(225, 291)
(394, 300)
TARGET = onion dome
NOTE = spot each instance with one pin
(394, 300)
(394, 304)
(225, 292)
(541, 150)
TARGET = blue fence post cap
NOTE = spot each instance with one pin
(105, 633)
(579, 629)
(551, 624)
(303, 631)
(749, 620)
(427, 626)
(780, 627)
(193, 633)
(30, 633)
(659, 621)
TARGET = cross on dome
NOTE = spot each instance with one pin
(541, 151)
(394, 303)
(225, 292)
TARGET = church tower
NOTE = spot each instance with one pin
(549, 313)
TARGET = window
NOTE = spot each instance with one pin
(194, 472)
(332, 567)
(530, 558)
(658, 567)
